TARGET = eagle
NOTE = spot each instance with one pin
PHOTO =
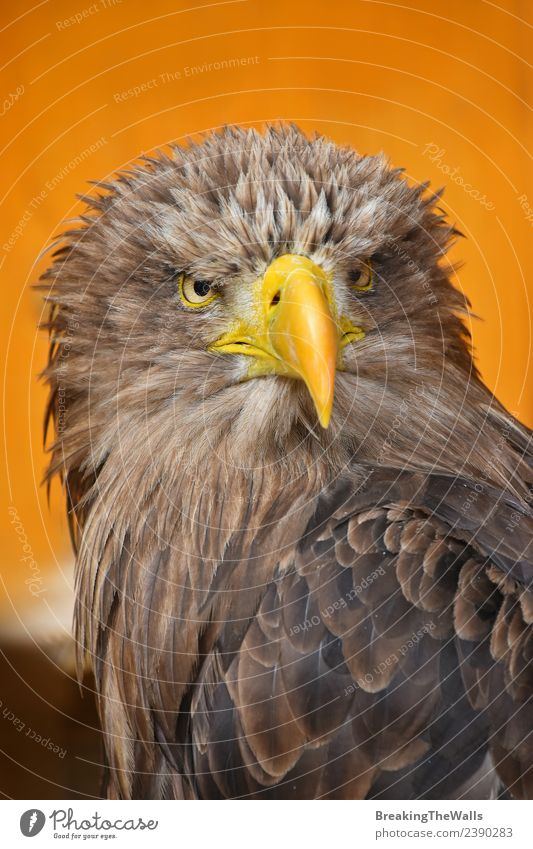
(302, 522)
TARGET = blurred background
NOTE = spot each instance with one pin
(444, 89)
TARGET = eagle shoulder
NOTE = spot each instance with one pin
(386, 661)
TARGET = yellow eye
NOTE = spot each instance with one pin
(361, 279)
(195, 293)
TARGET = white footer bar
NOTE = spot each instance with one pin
(267, 825)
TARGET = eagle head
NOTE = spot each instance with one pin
(265, 298)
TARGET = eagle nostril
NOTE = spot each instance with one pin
(275, 299)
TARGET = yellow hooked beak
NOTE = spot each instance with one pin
(293, 329)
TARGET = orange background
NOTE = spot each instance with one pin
(377, 75)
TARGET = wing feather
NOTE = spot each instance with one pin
(372, 661)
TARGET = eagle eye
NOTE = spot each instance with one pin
(195, 293)
(362, 278)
